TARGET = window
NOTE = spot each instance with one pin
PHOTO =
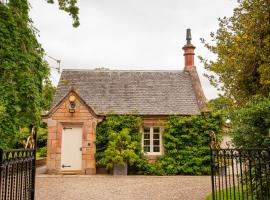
(151, 140)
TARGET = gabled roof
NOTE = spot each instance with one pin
(131, 92)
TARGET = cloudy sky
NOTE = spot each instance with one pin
(128, 34)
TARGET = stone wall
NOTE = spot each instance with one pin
(57, 120)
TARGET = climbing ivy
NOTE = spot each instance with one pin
(22, 71)
(24, 82)
(186, 142)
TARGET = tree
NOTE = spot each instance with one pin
(47, 94)
(69, 6)
(242, 43)
(242, 70)
(252, 124)
(220, 104)
(24, 74)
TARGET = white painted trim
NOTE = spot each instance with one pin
(152, 140)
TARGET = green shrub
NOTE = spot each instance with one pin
(116, 124)
(251, 124)
(42, 151)
(120, 149)
(142, 167)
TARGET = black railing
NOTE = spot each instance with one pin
(240, 174)
(17, 173)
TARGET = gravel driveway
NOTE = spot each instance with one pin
(102, 187)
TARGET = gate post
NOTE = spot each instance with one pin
(212, 173)
(34, 164)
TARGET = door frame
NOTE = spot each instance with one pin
(78, 125)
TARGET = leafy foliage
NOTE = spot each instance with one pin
(47, 95)
(24, 133)
(220, 104)
(242, 43)
(117, 124)
(251, 129)
(69, 6)
(186, 143)
(22, 71)
(252, 124)
(120, 149)
(130, 124)
(25, 89)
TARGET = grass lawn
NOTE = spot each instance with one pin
(229, 194)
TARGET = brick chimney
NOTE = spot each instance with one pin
(191, 69)
(189, 52)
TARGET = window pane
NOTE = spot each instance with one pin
(146, 130)
(146, 136)
(156, 136)
(156, 129)
(146, 149)
(156, 142)
(146, 142)
(156, 149)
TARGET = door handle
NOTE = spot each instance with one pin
(63, 166)
(80, 148)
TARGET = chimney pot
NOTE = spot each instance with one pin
(188, 36)
(189, 51)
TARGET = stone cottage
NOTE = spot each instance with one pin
(84, 98)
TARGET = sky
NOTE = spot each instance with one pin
(128, 34)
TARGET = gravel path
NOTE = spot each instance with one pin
(120, 188)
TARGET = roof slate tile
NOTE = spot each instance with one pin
(138, 92)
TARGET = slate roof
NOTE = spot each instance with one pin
(131, 92)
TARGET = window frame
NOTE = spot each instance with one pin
(152, 140)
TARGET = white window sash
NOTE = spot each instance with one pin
(152, 140)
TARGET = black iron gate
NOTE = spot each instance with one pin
(17, 173)
(240, 174)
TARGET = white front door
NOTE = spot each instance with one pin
(71, 152)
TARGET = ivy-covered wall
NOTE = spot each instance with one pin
(186, 143)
